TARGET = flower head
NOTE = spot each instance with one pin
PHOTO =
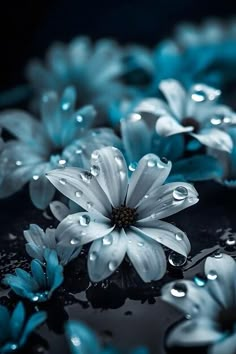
(210, 306)
(123, 217)
(63, 137)
(15, 329)
(194, 111)
(83, 339)
(38, 241)
(44, 280)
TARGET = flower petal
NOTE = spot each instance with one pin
(81, 187)
(110, 169)
(41, 192)
(106, 254)
(167, 126)
(59, 210)
(175, 96)
(82, 228)
(152, 106)
(215, 138)
(35, 321)
(166, 200)
(166, 234)
(150, 173)
(146, 255)
(17, 321)
(226, 345)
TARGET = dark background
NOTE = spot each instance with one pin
(28, 27)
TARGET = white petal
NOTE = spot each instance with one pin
(166, 201)
(82, 228)
(167, 125)
(153, 106)
(215, 138)
(166, 234)
(59, 210)
(224, 286)
(225, 346)
(150, 173)
(146, 255)
(110, 169)
(106, 254)
(197, 332)
(81, 187)
(175, 96)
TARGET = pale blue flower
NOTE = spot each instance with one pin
(38, 241)
(194, 111)
(209, 306)
(62, 137)
(15, 329)
(83, 340)
(94, 69)
(123, 216)
(45, 279)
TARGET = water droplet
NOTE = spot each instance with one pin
(62, 162)
(19, 163)
(230, 242)
(79, 118)
(112, 266)
(146, 196)
(161, 163)
(78, 151)
(62, 181)
(93, 256)
(107, 240)
(180, 193)
(151, 163)
(78, 194)
(84, 220)
(89, 205)
(212, 275)
(134, 117)
(179, 289)
(217, 254)
(133, 166)
(176, 259)
(35, 177)
(199, 95)
(199, 281)
(75, 240)
(95, 170)
(14, 346)
(86, 176)
(65, 106)
(140, 244)
(35, 298)
(95, 155)
(216, 121)
(76, 341)
(179, 236)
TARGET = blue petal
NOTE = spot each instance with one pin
(41, 192)
(171, 147)
(38, 274)
(4, 324)
(17, 321)
(35, 321)
(81, 339)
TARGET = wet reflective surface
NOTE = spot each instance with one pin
(123, 310)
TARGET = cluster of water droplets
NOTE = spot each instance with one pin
(202, 93)
(40, 296)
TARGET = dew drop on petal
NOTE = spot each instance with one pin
(62, 162)
(35, 177)
(93, 256)
(112, 266)
(13, 346)
(86, 176)
(78, 193)
(230, 242)
(146, 196)
(78, 151)
(179, 289)
(180, 193)
(151, 163)
(179, 236)
(95, 170)
(79, 118)
(140, 244)
(65, 106)
(212, 275)
(134, 117)
(199, 281)
(95, 155)
(218, 254)
(89, 205)
(107, 240)
(18, 163)
(74, 240)
(35, 298)
(62, 181)
(176, 259)
(133, 166)
(84, 220)
(199, 95)
(216, 121)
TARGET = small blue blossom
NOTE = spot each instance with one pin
(62, 137)
(15, 329)
(83, 340)
(123, 216)
(209, 306)
(38, 241)
(44, 280)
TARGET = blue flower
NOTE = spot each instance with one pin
(123, 217)
(15, 329)
(38, 241)
(83, 340)
(209, 306)
(61, 138)
(94, 70)
(44, 280)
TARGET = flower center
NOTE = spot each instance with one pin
(123, 216)
(189, 121)
(227, 319)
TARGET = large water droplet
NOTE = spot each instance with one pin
(176, 259)
(212, 275)
(86, 176)
(180, 193)
(84, 220)
(62, 181)
(78, 193)
(230, 242)
(107, 240)
(179, 289)
(62, 162)
(199, 95)
(218, 254)
(112, 266)
(93, 256)
(35, 177)
(133, 166)
(179, 236)
(95, 170)
(151, 163)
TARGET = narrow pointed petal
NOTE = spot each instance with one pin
(106, 254)
(146, 255)
(215, 138)
(59, 210)
(166, 234)
(41, 192)
(35, 321)
(38, 274)
(109, 167)
(17, 321)
(81, 187)
(175, 96)
(167, 126)
(150, 173)
(82, 228)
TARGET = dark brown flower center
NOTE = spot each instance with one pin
(189, 121)
(123, 216)
(227, 319)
